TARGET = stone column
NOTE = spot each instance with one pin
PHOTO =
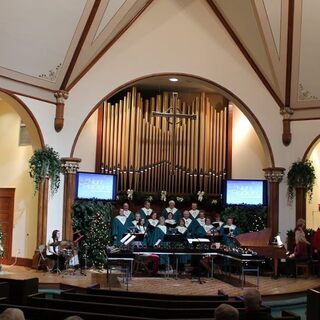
(274, 177)
(70, 167)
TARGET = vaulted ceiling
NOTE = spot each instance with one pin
(48, 45)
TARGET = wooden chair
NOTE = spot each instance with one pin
(304, 267)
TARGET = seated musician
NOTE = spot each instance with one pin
(146, 211)
(119, 227)
(194, 212)
(229, 230)
(300, 249)
(53, 252)
(176, 213)
(170, 222)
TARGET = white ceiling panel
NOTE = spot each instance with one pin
(36, 34)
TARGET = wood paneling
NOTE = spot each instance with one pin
(6, 220)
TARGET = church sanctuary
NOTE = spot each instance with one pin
(160, 159)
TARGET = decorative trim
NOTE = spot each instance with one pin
(52, 74)
(105, 49)
(274, 175)
(289, 53)
(70, 165)
(80, 44)
(304, 94)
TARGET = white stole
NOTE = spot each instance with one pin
(122, 219)
(194, 213)
(153, 222)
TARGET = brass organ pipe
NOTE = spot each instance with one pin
(104, 138)
(184, 156)
(196, 158)
(138, 143)
(120, 137)
(115, 138)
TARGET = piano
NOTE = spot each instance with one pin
(260, 242)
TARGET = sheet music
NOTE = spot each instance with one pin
(125, 238)
(132, 237)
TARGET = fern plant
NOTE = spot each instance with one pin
(301, 175)
(45, 163)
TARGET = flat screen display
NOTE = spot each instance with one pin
(245, 192)
(90, 185)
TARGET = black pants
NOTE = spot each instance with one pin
(58, 259)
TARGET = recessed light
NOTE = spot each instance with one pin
(173, 79)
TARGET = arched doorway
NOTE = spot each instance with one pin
(20, 136)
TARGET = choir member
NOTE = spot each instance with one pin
(217, 223)
(182, 229)
(170, 222)
(146, 210)
(119, 227)
(229, 230)
(188, 222)
(199, 223)
(176, 213)
(194, 212)
(137, 218)
(127, 212)
(206, 229)
(159, 232)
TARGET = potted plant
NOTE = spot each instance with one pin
(301, 175)
(45, 163)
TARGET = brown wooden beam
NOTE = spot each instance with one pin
(42, 211)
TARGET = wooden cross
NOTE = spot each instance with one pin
(174, 115)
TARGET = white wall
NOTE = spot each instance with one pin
(313, 212)
(248, 157)
(181, 36)
(86, 144)
(14, 173)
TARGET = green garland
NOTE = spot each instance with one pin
(209, 202)
(45, 163)
(247, 218)
(93, 219)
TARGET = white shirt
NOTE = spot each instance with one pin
(170, 221)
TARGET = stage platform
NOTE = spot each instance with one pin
(268, 287)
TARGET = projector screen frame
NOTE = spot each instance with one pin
(265, 195)
(114, 190)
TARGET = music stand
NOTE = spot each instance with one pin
(226, 230)
(216, 225)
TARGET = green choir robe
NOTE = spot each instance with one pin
(158, 234)
(227, 238)
(129, 215)
(119, 228)
(145, 213)
(198, 227)
(184, 231)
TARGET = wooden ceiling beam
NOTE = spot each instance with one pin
(244, 51)
(80, 44)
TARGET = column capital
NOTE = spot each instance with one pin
(61, 96)
(70, 165)
(286, 112)
(274, 174)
